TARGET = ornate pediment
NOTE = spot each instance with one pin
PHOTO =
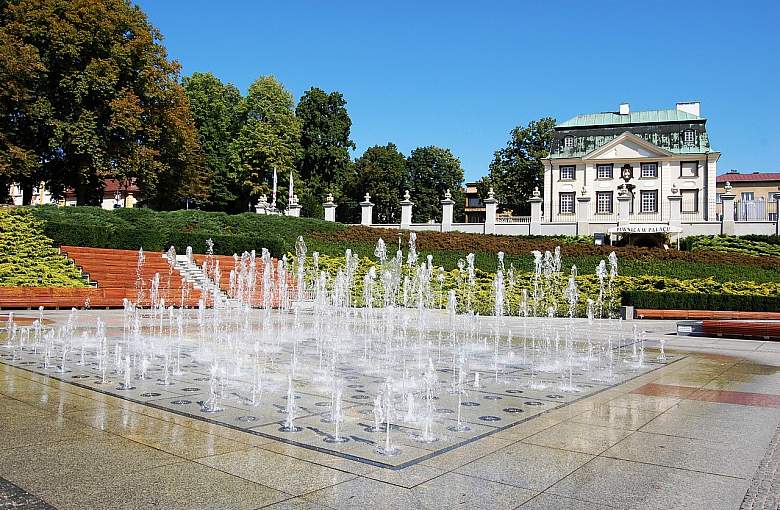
(627, 146)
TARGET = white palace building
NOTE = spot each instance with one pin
(617, 173)
(639, 157)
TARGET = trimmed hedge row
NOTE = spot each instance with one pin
(691, 301)
(131, 238)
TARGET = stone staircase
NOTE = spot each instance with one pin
(193, 274)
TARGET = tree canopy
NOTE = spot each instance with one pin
(433, 171)
(217, 110)
(517, 168)
(325, 145)
(269, 140)
(381, 172)
(89, 93)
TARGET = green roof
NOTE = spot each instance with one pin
(613, 118)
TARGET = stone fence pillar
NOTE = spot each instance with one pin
(446, 212)
(491, 204)
(406, 211)
(675, 208)
(536, 213)
(330, 208)
(624, 207)
(727, 220)
(583, 209)
(293, 207)
(777, 214)
(366, 211)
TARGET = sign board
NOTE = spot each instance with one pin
(639, 228)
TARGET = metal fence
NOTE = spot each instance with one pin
(755, 210)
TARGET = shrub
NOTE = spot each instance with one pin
(700, 301)
(27, 258)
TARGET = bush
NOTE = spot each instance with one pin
(700, 301)
(756, 245)
(156, 231)
(27, 258)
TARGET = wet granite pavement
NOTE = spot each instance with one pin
(699, 433)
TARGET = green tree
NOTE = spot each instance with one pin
(325, 144)
(89, 93)
(216, 108)
(433, 171)
(517, 168)
(381, 172)
(268, 140)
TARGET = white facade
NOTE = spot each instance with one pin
(693, 176)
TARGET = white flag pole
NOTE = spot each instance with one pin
(273, 195)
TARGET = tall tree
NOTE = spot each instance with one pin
(381, 172)
(268, 140)
(517, 168)
(433, 171)
(325, 144)
(88, 94)
(216, 108)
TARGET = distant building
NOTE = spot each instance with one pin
(116, 194)
(474, 207)
(649, 154)
(755, 192)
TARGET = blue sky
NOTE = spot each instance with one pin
(461, 74)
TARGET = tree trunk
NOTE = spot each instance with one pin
(27, 192)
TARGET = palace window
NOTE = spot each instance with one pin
(747, 196)
(567, 173)
(689, 169)
(690, 200)
(689, 137)
(604, 202)
(566, 203)
(568, 142)
(648, 200)
(649, 170)
(604, 172)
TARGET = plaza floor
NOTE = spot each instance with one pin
(699, 433)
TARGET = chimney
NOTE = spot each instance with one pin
(733, 171)
(691, 107)
(624, 109)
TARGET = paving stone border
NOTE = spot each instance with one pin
(764, 490)
(12, 496)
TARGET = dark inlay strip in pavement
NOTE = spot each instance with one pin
(764, 490)
(720, 396)
(12, 496)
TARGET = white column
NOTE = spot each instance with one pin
(261, 207)
(583, 208)
(447, 212)
(293, 207)
(366, 211)
(675, 208)
(624, 207)
(406, 211)
(330, 208)
(491, 204)
(536, 213)
(727, 223)
(777, 214)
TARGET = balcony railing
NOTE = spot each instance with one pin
(513, 219)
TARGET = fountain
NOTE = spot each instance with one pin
(391, 356)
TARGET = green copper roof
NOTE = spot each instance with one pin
(612, 118)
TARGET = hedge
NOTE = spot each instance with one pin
(131, 238)
(691, 301)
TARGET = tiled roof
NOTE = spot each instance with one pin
(768, 176)
(614, 118)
